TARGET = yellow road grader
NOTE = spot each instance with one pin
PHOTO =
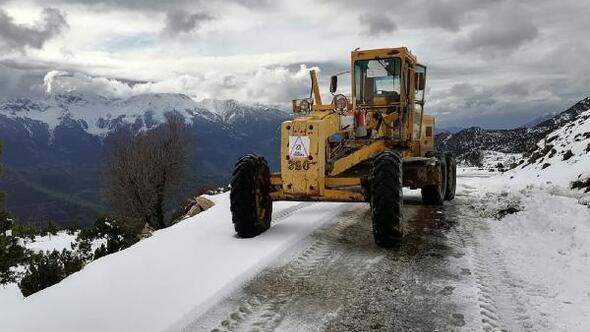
(359, 149)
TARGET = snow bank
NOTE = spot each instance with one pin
(170, 277)
(546, 248)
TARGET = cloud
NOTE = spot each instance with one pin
(159, 5)
(502, 105)
(446, 14)
(19, 82)
(504, 31)
(17, 37)
(180, 21)
(269, 85)
(377, 23)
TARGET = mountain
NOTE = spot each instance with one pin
(539, 119)
(53, 146)
(521, 140)
(561, 158)
(450, 130)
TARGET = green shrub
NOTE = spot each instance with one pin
(11, 254)
(47, 269)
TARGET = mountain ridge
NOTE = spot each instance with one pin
(58, 141)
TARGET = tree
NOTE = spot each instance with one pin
(144, 170)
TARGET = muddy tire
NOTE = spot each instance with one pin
(435, 194)
(387, 198)
(451, 177)
(250, 202)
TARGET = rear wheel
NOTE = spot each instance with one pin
(387, 198)
(435, 194)
(250, 201)
(451, 176)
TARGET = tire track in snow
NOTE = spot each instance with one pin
(263, 312)
(280, 215)
(502, 297)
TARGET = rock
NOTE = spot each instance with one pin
(200, 204)
(146, 232)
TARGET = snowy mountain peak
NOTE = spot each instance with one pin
(98, 114)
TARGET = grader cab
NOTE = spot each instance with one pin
(359, 149)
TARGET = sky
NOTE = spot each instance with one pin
(491, 63)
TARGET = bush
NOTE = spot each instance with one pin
(474, 158)
(47, 269)
(11, 254)
(24, 231)
(120, 234)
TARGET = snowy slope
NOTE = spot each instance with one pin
(562, 157)
(167, 278)
(517, 140)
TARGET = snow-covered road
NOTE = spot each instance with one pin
(464, 266)
(469, 265)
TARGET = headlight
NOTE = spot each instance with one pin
(340, 102)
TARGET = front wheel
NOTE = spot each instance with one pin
(387, 198)
(250, 202)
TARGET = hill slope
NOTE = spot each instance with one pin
(518, 140)
(53, 146)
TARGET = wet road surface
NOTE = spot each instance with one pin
(438, 279)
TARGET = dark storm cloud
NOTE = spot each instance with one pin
(504, 31)
(377, 23)
(179, 21)
(17, 37)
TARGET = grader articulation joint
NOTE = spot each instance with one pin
(359, 149)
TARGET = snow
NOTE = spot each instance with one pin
(62, 240)
(99, 113)
(549, 241)
(575, 138)
(491, 159)
(166, 279)
(545, 247)
(10, 296)
(163, 282)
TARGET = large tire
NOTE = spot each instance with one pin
(435, 194)
(451, 176)
(250, 202)
(387, 198)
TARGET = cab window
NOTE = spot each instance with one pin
(377, 81)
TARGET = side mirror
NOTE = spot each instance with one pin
(333, 83)
(420, 81)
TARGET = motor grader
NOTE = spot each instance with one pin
(359, 149)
